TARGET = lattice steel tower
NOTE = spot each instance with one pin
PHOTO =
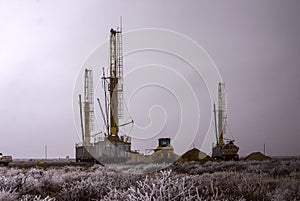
(88, 106)
(221, 112)
(116, 81)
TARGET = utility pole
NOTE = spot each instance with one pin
(46, 152)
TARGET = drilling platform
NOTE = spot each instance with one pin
(113, 147)
(222, 150)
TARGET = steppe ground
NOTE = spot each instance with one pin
(276, 179)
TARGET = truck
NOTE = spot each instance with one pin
(5, 160)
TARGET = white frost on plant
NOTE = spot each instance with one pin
(243, 180)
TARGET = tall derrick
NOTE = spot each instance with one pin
(114, 146)
(115, 81)
(222, 150)
(88, 106)
(221, 112)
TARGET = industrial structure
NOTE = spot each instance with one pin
(86, 120)
(164, 152)
(114, 146)
(222, 150)
(111, 145)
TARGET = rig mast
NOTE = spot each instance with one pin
(114, 147)
(221, 112)
(115, 86)
(222, 150)
(88, 106)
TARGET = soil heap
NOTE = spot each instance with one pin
(194, 155)
(257, 156)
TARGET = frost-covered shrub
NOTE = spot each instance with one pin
(8, 194)
(276, 168)
(94, 185)
(215, 186)
(36, 198)
(162, 187)
(139, 168)
(242, 180)
(287, 189)
(85, 189)
(168, 186)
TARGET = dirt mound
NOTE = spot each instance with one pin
(162, 156)
(194, 155)
(257, 156)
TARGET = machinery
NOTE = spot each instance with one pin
(163, 153)
(5, 160)
(83, 150)
(113, 147)
(222, 150)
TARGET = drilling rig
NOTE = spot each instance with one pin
(83, 150)
(115, 84)
(114, 147)
(222, 150)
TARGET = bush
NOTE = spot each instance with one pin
(243, 180)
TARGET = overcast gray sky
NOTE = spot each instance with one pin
(255, 45)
